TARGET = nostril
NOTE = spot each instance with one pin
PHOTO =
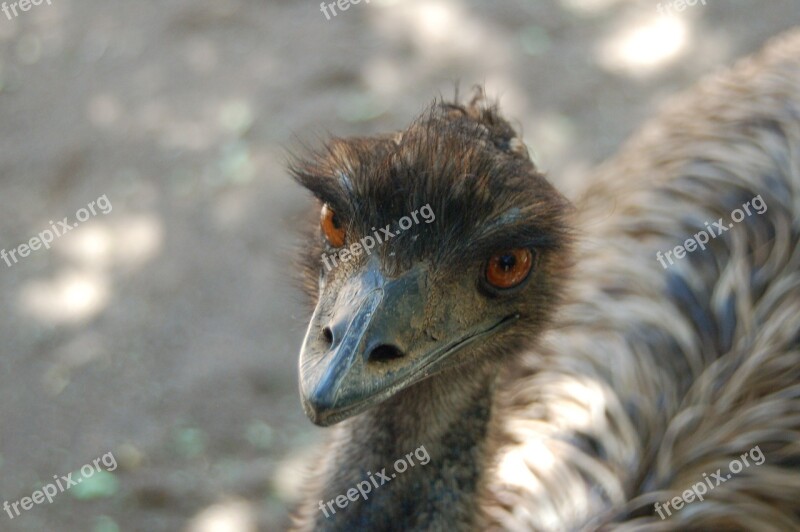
(327, 334)
(384, 352)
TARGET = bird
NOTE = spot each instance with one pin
(520, 361)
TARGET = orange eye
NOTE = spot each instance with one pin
(334, 233)
(510, 268)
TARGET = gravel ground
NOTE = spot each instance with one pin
(165, 327)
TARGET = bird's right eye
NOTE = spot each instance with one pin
(331, 228)
(510, 268)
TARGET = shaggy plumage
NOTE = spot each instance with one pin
(648, 378)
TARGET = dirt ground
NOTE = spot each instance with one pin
(166, 330)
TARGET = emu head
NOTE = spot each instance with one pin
(435, 247)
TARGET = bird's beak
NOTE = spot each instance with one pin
(373, 343)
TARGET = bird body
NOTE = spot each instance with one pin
(603, 384)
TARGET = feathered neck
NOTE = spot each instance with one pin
(445, 418)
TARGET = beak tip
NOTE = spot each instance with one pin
(320, 418)
(318, 408)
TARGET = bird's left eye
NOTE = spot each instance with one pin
(331, 228)
(509, 268)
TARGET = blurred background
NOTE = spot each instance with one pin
(167, 331)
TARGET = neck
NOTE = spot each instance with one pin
(418, 458)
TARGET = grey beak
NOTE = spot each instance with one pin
(372, 316)
(371, 342)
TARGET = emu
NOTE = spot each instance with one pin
(557, 375)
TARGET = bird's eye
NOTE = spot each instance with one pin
(331, 228)
(509, 268)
